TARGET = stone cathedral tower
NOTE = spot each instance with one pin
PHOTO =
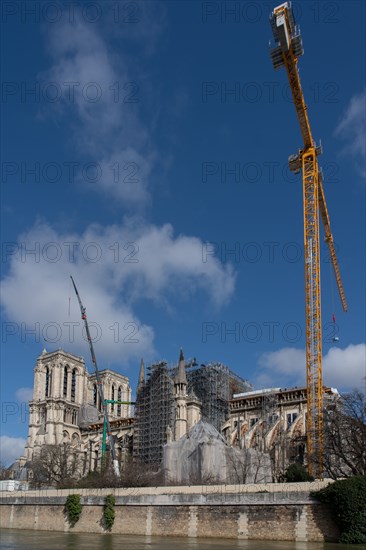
(60, 386)
(187, 406)
(64, 392)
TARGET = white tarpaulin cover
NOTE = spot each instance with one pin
(203, 456)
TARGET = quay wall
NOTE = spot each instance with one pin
(256, 512)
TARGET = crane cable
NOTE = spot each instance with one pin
(70, 289)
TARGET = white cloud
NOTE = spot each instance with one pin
(97, 90)
(342, 368)
(125, 176)
(284, 361)
(24, 394)
(11, 448)
(345, 368)
(115, 268)
(352, 129)
(282, 368)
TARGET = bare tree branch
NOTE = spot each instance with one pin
(345, 436)
(56, 464)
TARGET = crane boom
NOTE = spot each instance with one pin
(287, 50)
(329, 240)
(99, 382)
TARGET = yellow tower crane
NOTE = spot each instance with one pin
(285, 53)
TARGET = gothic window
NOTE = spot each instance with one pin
(289, 421)
(65, 382)
(95, 395)
(112, 397)
(73, 384)
(47, 388)
(272, 419)
(291, 417)
(119, 398)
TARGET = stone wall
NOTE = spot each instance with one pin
(229, 512)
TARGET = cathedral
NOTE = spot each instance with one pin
(170, 402)
(66, 408)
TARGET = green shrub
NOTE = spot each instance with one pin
(347, 501)
(73, 509)
(297, 472)
(108, 512)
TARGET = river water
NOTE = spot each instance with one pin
(14, 539)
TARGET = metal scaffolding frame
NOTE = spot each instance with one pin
(154, 412)
(270, 413)
(213, 384)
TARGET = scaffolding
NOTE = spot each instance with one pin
(268, 418)
(154, 412)
(270, 412)
(213, 384)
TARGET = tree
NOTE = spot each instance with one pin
(56, 464)
(137, 474)
(133, 474)
(347, 501)
(345, 436)
(5, 473)
(248, 466)
(297, 472)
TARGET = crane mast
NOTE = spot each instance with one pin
(103, 403)
(285, 53)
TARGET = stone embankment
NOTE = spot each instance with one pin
(258, 512)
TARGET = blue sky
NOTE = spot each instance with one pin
(150, 162)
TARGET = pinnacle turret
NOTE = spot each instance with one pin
(141, 380)
(181, 377)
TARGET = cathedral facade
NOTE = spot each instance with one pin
(66, 407)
